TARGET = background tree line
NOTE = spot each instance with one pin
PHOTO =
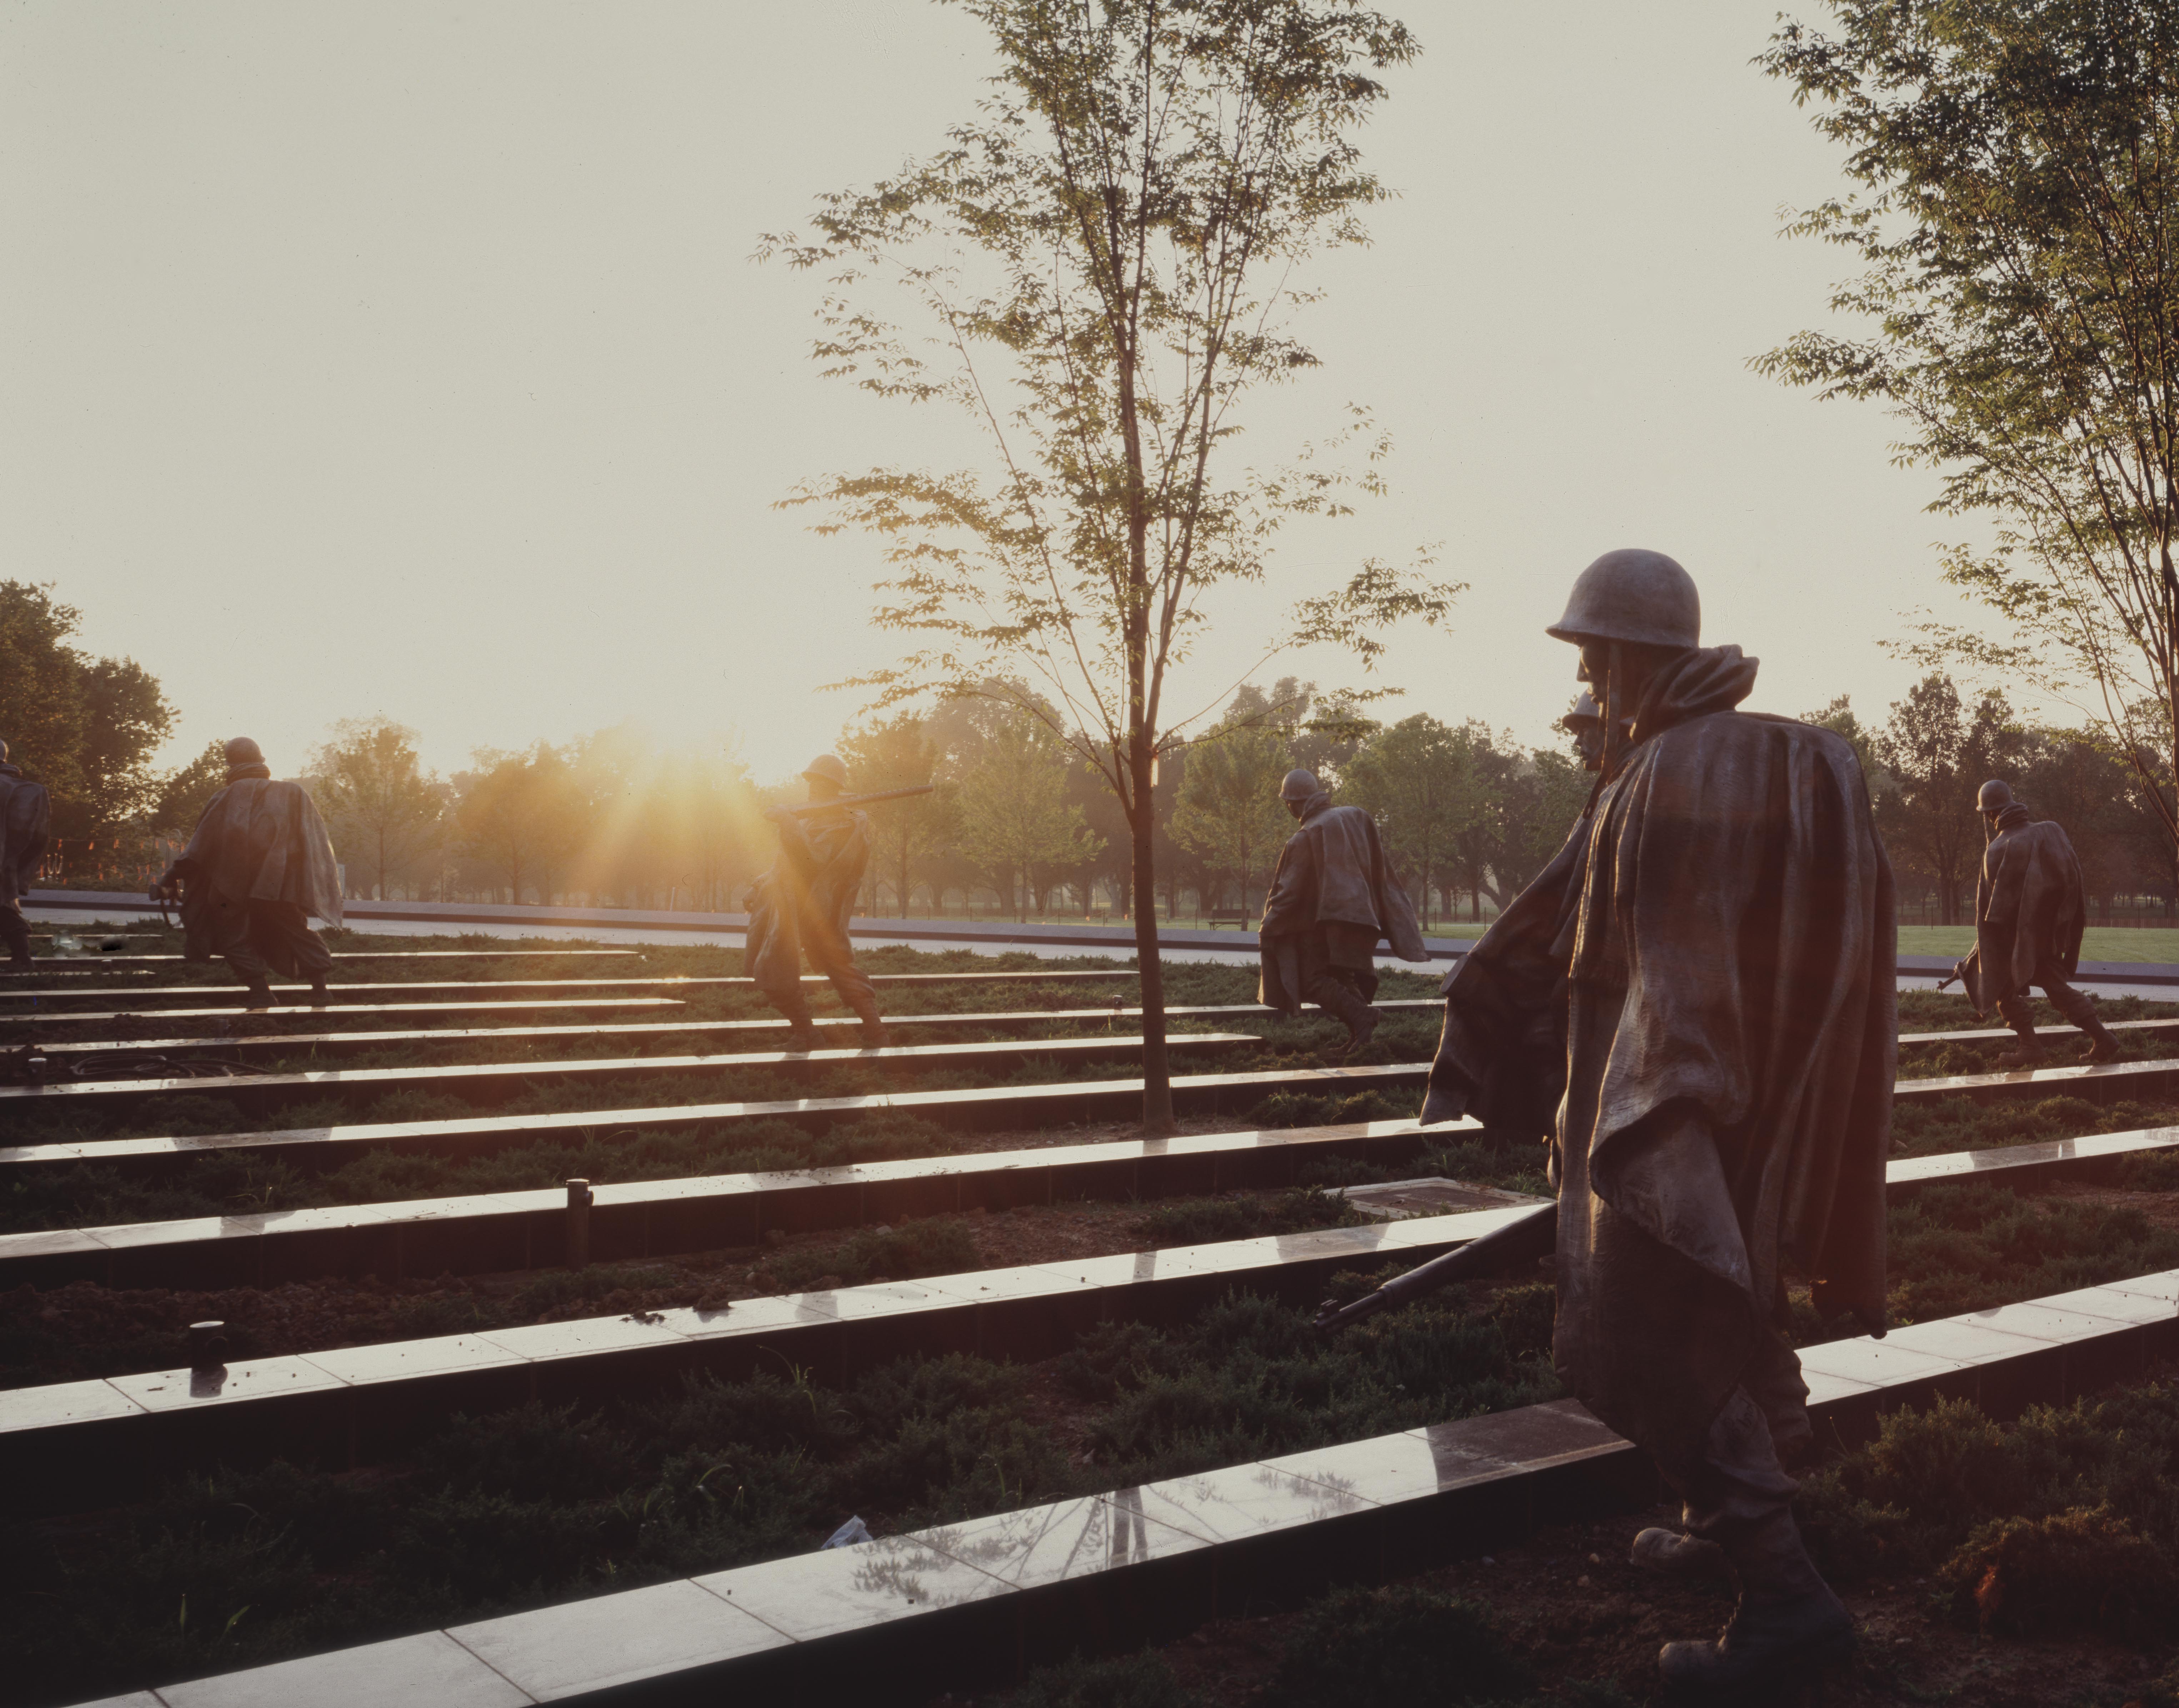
(1016, 824)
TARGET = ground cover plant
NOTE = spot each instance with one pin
(83, 1330)
(536, 1504)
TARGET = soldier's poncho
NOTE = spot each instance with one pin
(1332, 875)
(810, 892)
(259, 840)
(2030, 907)
(1724, 925)
(26, 813)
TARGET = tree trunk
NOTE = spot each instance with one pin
(1157, 1072)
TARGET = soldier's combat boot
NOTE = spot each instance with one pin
(257, 998)
(2102, 1046)
(2026, 1050)
(319, 999)
(1787, 1624)
(875, 1036)
(1359, 1018)
(801, 1034)
(1673, 1554)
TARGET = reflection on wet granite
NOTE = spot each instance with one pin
(834, 1590)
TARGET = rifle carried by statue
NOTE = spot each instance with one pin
(862, 799)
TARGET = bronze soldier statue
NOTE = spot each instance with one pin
(1721, 929)
(259, 865)
(25, 813)
(1587, 723)
(803, 904)
(1331, 900)
(2030, 907)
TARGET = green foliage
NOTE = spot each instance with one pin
(1193, 1220)
(1364, 1648)
(84, 727)
(2067, 1519)
(2077, 1570)
(1956, 1249)
(1131, 1681)
(2013, 217)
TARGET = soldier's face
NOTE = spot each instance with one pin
(1294, 807)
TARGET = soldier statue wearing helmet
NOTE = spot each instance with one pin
(259, 865)
(1586, 721)
(1332, 898)
(2030, 907)
(1715, 939)
(26, 813)
(802, 906)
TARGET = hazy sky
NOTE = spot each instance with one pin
(405, 358)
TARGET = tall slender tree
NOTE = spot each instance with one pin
(1104, 260)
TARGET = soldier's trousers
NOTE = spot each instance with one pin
(2068, 1001)
(277, 937)
(1648, 1339)
(1330, 976)
(14, 931)
(835, 961)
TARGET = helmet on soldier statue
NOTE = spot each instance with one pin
(827, 767)
(1643, 597)
(1586, 713)
(1993, 797)
(242, 750)
(1299, 785)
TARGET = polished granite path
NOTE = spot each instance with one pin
(287, 1043)
(972, 1604)
(1041, 1105)
(255, 1090)
(363, 1402)
(17, 1028)
(484, 989)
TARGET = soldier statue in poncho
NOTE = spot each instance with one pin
(259, 866)
(2030, 907)
(1332, 899)
(1720, 932)
(25, 813)
(803, 904)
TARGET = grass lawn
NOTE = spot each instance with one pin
(2098, 943)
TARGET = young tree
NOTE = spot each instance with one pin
(1229, 809)
(1015, 817)
(1106, 256)
(2021, 164)
(380, 807)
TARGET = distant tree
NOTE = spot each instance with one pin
(1104, 259)
(1015, 816)
(1542, 798)
(515, 817)
(1229, 810)
(1417, 780)
(2017, 206)
(1939, 753)
(182, 795)
(1840, 718)
(899, 753)
(85, 727)
(383, 812)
